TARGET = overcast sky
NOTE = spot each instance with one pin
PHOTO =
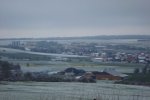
(59, 18)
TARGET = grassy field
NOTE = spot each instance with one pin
(72, 91)
(86, 65)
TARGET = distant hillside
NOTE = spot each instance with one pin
(121, 37)
(147, 37)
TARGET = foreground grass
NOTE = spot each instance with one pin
(97, 96)
(71, 91)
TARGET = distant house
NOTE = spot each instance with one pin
(95, 54)
(141, 58)
(130, 58)
(98, 59)
(105, 76)
(74, 71)
(59, 59)
(15, 43)
(109, 74)
(27, 49)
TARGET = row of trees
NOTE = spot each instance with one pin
(140, 76)
(145, 70)
(6, 70)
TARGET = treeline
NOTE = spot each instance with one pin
(141, 76)
(9, 70)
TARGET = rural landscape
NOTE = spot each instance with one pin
(104, 67)
(74, 49)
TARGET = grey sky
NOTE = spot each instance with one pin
(54, 18)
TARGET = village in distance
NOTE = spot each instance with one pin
(124, 51)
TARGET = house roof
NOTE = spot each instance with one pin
(100, 73)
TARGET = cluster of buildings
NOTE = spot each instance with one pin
(122, 57)
(25, 45)
(97, 53)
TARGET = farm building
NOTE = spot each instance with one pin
(108, 74)
(105, 76)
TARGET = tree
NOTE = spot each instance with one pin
(144, 70)
(136, 71)
(27, 64)
(149, 71)
(28, 76)
(5, 68)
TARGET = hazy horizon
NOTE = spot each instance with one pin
(73, 18)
